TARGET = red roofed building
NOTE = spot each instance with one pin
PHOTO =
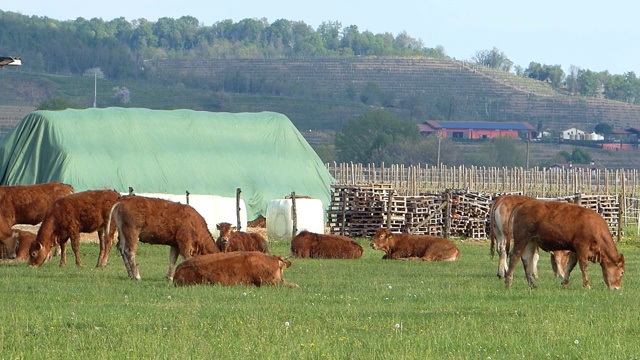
(477, 129)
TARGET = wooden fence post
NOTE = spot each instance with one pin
(238, 222)
(294, 215)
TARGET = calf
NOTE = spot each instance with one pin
(414, 247)
(163, 222)
(311, 245)
(26, 204)
(21, 243)
(553, 226)
(232, 240)
(67, 217)
(239, 267)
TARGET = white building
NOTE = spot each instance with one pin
(573, 134)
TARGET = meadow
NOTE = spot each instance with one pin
(344, 309)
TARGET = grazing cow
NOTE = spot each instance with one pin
(67, 217)
(414, 247)
(238, 267)
(311, 245)
(26, 204)
(158, 221)
(554, 225)
(499, 229)
(232, 240)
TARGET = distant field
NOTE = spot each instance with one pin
(357, 309)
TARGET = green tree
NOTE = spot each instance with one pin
(494, 59)
(330, 34)
(501, 151)
(603, 128)
(366, 138)
(577, 156)
(57, 104)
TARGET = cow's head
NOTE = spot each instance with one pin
(225, 230)
(10, 245)
(38, 254)
(613, 272)
(382, 240)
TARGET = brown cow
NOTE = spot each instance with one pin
(239, 267)
(22, 241)
(67, 217)
(499, 229)
(311, 245)
(414, 247)
(232, 240)
(555, 225)
(158, 221)
(26, 204)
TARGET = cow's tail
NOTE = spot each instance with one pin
(492, 234)
(113, 208)
(508, 235)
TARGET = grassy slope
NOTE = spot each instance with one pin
(359, 309)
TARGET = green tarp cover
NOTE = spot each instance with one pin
(166, 151)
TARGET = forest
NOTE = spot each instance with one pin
(118, 48)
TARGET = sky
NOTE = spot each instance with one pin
(591, 35)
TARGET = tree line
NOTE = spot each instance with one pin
(118, 46)
(625, 87)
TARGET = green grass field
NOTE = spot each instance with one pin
(344, 309)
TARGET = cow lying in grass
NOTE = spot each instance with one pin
(20, 245)
(311, 245)
(67, 217)
(232, 240)
(160, 222)
(234, 268)
(414, 247)
(25, 204)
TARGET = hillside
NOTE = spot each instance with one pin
(319, 95)
(447, 89)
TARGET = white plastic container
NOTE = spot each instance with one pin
(214, 209)
(309, 214)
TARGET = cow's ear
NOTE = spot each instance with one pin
(621, 260)
(218, 226)
(233, 228)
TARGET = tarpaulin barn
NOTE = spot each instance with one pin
(166, 151)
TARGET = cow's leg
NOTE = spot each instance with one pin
(529, 259)
(534, 258)
(108, 238)
(63, 251)
(571, 263)
(128, 246)
(173, 258)
(103, 245)
(556, 263)
(514, 259)
(502, 253)
(75, 246)
(584, 267)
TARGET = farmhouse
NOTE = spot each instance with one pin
(572, 134)
(159, 151)
(476, 129)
